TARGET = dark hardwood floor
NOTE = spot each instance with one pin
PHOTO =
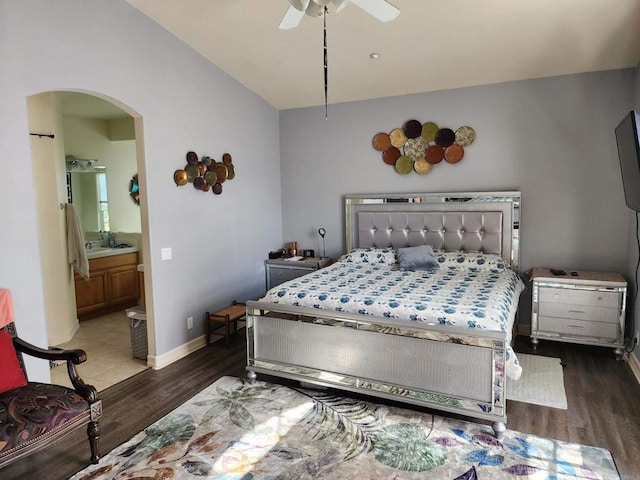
(603, 398)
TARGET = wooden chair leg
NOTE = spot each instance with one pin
(208, 327)
(93, 432)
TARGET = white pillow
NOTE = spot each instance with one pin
(371, 255)
(476, 260)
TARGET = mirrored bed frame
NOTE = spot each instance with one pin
(451, 369)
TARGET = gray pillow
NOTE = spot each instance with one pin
(416, 258)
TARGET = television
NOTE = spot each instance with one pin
(629, 155)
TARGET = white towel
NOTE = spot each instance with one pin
(75, 243)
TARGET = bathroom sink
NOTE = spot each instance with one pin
(97, 252)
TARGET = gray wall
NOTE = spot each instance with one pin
(186, 103)
(552, 139)
(632, 254)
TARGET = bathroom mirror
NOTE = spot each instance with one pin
(101, 159)
(88, 193)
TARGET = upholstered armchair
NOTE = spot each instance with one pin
(34, 415)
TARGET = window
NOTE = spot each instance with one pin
(103, 204)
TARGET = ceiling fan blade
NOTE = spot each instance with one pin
(340, 4)
(291, 18)
(380, 9)
(300, 4)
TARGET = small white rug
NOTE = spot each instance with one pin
(541, 382)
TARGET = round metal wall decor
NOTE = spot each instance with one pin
(381, 141)
(134, 189)
(419, 147)
(205, 174)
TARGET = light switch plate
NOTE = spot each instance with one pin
(166, 253)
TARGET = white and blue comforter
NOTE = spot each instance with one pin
(457, 293)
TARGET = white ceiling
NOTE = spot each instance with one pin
(431, 45)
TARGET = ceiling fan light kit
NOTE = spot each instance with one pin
(380, 9)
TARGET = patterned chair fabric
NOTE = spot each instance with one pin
(34, 410)
(34, 416)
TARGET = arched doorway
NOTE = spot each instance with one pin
(87, 127)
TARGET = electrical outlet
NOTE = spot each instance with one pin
(189, 323)
(166, 253)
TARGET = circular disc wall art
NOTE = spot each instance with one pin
(381, 141)
(416, 148)
(404, 165)
(398, 138)
(205, 174)
(134, 189)
(454, 153)
(429, 131)
(445, 137)
(435, 154)
(420, 146)
(465, 135)
(412, 128)
(390, 155)
(422, 167)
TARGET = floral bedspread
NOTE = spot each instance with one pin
(460, 293)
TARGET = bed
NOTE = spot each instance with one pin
(437, 337)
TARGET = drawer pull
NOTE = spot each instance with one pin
(576, 311)
(575, 326)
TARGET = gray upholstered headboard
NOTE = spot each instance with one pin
(471, 222)
(449, 231)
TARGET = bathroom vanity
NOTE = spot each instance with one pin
(113, 283)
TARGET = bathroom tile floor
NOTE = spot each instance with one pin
(107, 342)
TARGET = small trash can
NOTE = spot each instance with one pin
(138, 326)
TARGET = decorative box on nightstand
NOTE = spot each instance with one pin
(281, 270)
(579, 307)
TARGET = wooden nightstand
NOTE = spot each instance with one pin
(281, 270)
(579, 307)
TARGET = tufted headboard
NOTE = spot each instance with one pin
(471, 222)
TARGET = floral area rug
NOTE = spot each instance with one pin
(236, 431)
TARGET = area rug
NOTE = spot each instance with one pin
(236, 431)
(541, 383)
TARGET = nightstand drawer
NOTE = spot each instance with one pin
(567, 326)
(281, 275)
(578, 312)
(281, 270)
(580, 297)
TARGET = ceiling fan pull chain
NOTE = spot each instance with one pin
(326, 68)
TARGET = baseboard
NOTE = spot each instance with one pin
(160, 361)
(59, 336)
(634, 363)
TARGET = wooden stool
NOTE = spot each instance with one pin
(223, 319)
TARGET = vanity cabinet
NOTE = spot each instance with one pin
(113, 284)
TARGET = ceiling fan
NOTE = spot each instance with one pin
(380, 9)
